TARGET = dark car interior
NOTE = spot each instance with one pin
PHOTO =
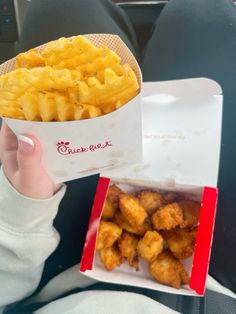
(141, 13)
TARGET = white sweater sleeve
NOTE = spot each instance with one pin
(27, 238)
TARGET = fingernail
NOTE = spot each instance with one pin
(25, 144)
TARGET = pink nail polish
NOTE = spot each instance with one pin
(25, 144)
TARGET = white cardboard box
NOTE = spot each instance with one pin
(181, 144)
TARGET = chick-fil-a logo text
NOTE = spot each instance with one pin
(64, 148)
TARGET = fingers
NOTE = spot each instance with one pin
(32, 179)
(8, 149)
(8, 139)
(22, 164)
(29, 156)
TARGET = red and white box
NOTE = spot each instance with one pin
(75, 149)
(181, 145)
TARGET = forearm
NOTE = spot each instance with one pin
(27, 238)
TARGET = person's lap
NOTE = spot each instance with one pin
(49, 20)
(188, 41)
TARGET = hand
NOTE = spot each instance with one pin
(22, 164)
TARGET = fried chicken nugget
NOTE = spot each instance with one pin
(109, 209)
(167, 217)
(124, 224)
(112, 202)
(191, 212)
(150, 200)
(108, 233)
(168, 270)
(114, 193)
(110, 257)
(181, 242)
(150, 246)
(127, 244)
(132, 210)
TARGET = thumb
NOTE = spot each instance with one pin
(29, 155)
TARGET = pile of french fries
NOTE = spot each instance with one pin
(69, 79)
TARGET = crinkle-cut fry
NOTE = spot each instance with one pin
(30, 105)
(76, 75)
(86, 112)
(71, 53)
(124, 98)
(19, 81)
(106, 59)
(10, 103)
(7, 97)
(78, 51)
(89, 81)
(65, 110)
(11, 112)
(89, 64)
(30, 59)
(112, 90)
(46, 107)
(67, 47)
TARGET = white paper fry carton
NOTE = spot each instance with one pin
(74, 149)
(181, 144)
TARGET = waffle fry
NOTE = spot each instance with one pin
(30, 59)
(12, 112)
(103, 94)
(16, 83)
(69, 79)
(70, 53)
(46, 107)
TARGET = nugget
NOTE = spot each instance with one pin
(191, 211)
(150, 246)
(181, 242)
(150, 200)
(124, 224)
(110, 257)
(168, 270)
(127, 244)
(114, 194)
(130, 207)
(108, 210)
(112, 202)
(167, 217)
(108, 233)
